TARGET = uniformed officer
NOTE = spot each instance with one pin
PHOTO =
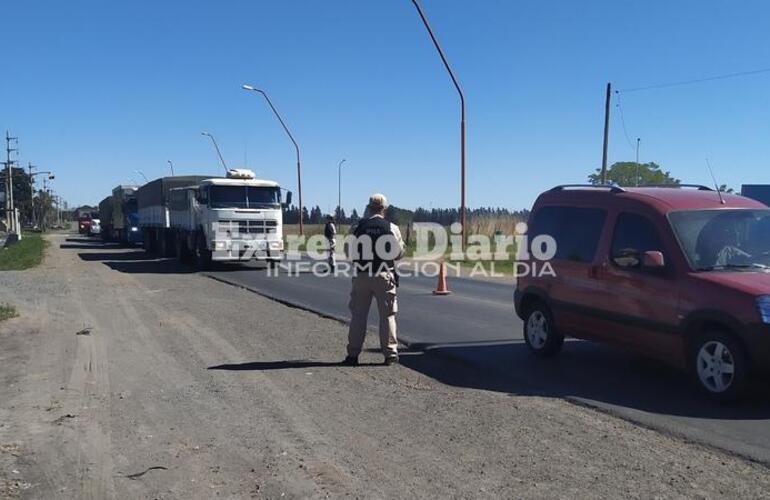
(330, 233)
(378, 244)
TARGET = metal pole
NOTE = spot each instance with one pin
(606, 132)
(296, 147)
(638, 140)
(216, 146)
(462, 120)
(31, 194)
(170, 164)
(339, 190)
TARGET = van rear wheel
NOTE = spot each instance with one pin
(540, 335)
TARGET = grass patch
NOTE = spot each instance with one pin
(7, 311)
(25, 254)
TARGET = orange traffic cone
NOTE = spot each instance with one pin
(442, 288)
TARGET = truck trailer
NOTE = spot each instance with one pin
(105, 212)
(154, 222)
(759, 192)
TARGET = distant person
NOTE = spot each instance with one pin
(374, 276)
(330, 233)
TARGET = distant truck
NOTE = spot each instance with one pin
(759, 192)
(120, 217)
(232, 219)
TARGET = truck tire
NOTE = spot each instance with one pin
(162, 244)
(147, 240)
(182, 252)
(202, 253)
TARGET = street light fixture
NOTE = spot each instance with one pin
(142, 174)
(170, 164)
(462, 119)
(296, 147)
(339, 190)
(216, 146)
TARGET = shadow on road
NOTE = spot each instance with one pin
(583, 371)
(282, 365)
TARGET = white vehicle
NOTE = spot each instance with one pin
(95, 228)
(235, 219)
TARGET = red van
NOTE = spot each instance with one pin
(681, 274)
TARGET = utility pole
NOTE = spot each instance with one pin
(31, 193)
(638, 140)
(606, 132)
(10, 215)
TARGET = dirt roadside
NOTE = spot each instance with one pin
(182, 387)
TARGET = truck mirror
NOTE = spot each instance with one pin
(288, 199)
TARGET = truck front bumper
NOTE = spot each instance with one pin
(230, 250)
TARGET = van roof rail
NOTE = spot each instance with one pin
(699, 187)
(613, 188)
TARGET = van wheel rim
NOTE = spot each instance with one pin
(716, 366)
(537, 330)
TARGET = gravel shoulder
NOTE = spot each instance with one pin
(179, 386)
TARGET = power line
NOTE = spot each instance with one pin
(699, 80)
(623, 122)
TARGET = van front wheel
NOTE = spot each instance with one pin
(540, 335)
(720, 366)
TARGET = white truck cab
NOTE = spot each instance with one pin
(237, 218)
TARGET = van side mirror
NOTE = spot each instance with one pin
(287, 203)
(654, 260)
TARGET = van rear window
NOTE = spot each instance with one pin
(576, 230)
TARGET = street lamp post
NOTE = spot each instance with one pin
(216, 146)
(170, 164)
(339, 190)
(142, 174)
(32, 186)
(638, 140)
(462, 120)
(296, 147)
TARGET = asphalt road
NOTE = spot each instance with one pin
(477, 326)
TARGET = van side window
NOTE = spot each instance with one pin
(576, 230)
(633, 235)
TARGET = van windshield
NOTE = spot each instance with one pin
(717, 240)
(244, 197)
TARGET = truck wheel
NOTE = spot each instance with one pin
(719, 365)
(182, 252)
(202, 254)
(147, 240)
(540, 335)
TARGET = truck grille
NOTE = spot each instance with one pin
(244, 227)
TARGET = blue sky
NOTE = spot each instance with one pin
(96, 90)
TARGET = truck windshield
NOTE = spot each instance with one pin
(718, 240)
(244, 197)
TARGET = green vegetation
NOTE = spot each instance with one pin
(25, 254)
(7, 311)
(627, 173)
